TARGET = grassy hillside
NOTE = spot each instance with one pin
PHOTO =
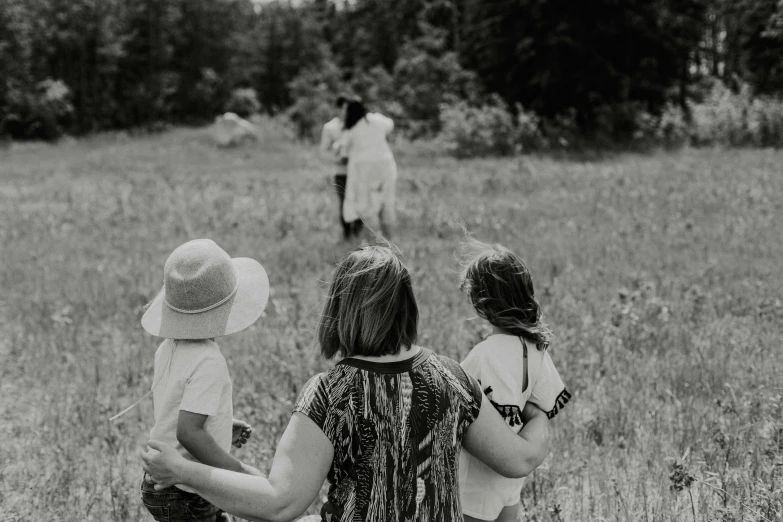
(659, 274)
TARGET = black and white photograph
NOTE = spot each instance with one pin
(391, 260)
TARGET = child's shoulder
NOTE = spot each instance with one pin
(200, 350)
(497, 343)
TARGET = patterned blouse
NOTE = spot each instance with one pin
(397, 431)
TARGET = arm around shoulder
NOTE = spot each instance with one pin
(513, 456)
(299, 468)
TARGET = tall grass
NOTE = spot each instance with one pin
(659, 274)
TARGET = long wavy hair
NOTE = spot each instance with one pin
(499, 286)
(354, 112)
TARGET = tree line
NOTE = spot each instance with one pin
(79, 66)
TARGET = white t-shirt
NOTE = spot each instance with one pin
(191, 376)
(511, 373)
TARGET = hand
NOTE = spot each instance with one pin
(240, 432)
(162, 462)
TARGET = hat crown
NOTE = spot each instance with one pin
(198, 276)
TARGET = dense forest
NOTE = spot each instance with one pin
(596, 67)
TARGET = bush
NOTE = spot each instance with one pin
(730, 118)
(314, 91)
(243, 102)
(469, 131)
(670, 128)
(38, 113)
(201, 101)
(427, 76)
(528, 131)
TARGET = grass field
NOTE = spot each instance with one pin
(660, 275)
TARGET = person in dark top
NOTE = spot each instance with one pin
(384, 426)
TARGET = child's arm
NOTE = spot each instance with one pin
(326, 143)
(194, 438)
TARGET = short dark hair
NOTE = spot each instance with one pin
(500, 288)
(370, 309)
(341, 100)
(355, 112)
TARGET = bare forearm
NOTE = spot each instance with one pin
(536, 433)
(201, 445)
(246, 496)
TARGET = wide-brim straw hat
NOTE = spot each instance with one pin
(206, 294)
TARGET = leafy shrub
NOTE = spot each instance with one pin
(427, 76)
(528, 131)
(38, 113)
(471, 131)
(205, 99)
(560, 131)
(243, 102)
(730, 118)
(670, 128)
(720, 117)
(314, 91)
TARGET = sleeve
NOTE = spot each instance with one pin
(313, 400)
(501, 381)
(474, 405)
(204, 386)
(326, 141)
(469, 388)
(386, 123)
(549, 392)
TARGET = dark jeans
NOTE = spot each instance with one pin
(174, 505)
(349, 229)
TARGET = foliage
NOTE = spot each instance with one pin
(40, 114)
(475, 131)
(428, 75)
(129, 64)
(243, 102)
(315, 90)
(559, 56)
(731, 118)
(528, 130)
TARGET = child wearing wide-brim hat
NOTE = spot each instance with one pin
(206, 294)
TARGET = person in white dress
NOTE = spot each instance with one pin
(370, 191)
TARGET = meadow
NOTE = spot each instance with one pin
(659, 273)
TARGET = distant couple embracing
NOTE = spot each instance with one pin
(399, 432)
(366, 173)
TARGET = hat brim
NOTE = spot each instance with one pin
(236, 314)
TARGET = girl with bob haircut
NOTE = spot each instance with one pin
(498, 284)
(384, 426)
